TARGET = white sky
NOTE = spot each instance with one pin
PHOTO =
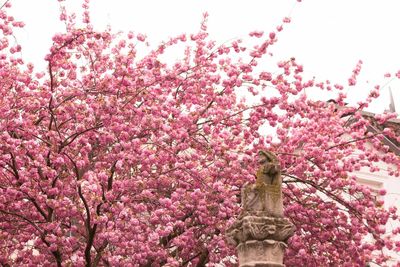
(327, 36)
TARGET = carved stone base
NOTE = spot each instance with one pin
(266, 253)
(260, 240)
(259, 228)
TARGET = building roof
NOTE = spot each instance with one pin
(393, 142)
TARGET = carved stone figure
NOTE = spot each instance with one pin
(266, 193)
(261, 232)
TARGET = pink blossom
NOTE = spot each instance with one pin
(286, 20)
(141, 37)
(382, 192)
(272, 35)
(257, 34)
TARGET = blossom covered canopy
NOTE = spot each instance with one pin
(109, 158)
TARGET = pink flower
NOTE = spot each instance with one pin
(141, 37)
(272, 35)
(382, 192)
(257, 34)
(352, 81)
(286, 20)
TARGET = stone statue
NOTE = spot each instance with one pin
(266, 194)
(261, 231)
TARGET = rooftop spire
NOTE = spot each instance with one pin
(392, 107)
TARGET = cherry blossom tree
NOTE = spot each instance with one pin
(110, 158)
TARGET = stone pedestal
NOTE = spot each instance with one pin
(261, 232)
(260, 239)
(266, 253)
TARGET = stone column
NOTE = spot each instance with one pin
(261, 232)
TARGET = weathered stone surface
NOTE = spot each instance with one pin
(261, 231)
(261, 253)
(263, 197)
(260, 228)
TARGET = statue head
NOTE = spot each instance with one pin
(269, 171)
(266, 156)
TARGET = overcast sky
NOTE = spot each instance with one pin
(327, 36)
